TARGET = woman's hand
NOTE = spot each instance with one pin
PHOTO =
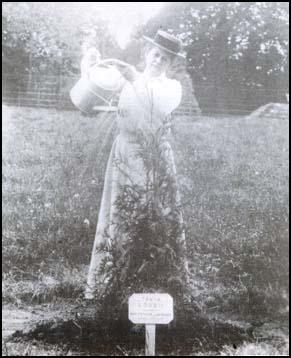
(177, 69)
(91, 57)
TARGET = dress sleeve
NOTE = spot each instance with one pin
(168, 95)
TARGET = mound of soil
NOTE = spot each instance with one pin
(91, 335)
(272, 110)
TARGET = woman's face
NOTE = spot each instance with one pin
(157, 61)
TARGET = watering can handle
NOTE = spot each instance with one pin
(112, 61)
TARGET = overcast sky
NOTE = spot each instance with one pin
(123, 16)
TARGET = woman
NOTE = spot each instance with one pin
(145, 102)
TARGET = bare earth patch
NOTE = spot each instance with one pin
(72, 329)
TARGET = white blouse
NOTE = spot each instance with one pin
(147, 101)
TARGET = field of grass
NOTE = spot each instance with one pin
(53, 168)
(233, 174)
(234, 177)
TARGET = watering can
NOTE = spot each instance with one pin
(97, 88)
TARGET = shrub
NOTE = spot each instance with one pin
(148, 252)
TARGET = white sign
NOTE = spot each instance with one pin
(150, 308)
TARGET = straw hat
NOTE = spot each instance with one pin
(167, 42)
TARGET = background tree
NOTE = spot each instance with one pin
(238, 54)
(47, 38)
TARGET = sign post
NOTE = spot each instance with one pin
(150, 309)
(150, 340)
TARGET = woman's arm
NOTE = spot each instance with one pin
(167, 95)
(129, 72)
(177, 69)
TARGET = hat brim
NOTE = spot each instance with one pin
(164, 48)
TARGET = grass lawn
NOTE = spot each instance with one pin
(233, 175)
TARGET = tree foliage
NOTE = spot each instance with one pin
(47, 37)
(237, 52)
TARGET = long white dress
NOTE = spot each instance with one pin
(143, 106)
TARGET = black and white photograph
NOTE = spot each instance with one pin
(145, 179)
